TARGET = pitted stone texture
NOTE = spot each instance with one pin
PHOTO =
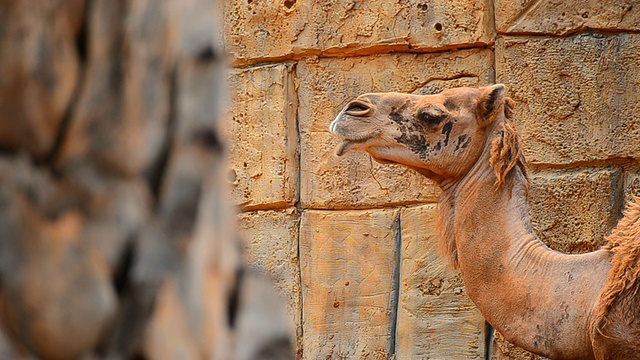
(572, 94)
(326, 85)
(281, 29)
(263, 144)
(504, 350)
(347, 260)
(573, 211)
(271, 243)
(436, 319)
(39, 71)
(631, 185)
(563, 17)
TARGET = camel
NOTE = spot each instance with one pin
(557, 305)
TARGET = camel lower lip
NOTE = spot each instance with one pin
(345, 145)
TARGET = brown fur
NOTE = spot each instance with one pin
(619, 300)
(506, 152)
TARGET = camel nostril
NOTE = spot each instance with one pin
(357, 108)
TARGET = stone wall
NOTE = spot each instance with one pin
(350, 242)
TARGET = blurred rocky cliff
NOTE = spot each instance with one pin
(116, 237)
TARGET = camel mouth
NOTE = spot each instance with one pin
(349, 139)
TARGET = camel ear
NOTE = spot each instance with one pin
(490, 103)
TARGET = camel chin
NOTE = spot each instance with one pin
(350, 145)
(347, 145)
(384, 161)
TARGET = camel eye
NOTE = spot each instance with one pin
(431, 117)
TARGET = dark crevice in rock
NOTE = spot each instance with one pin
(125, 336)
(208, 138)
(81, 44)
(9, 152)
(233, 303)
(158, 171)
(207, 54)
(122, 272)
(82, 39)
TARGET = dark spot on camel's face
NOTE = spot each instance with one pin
(446, 129)
(397, 114)
(463, 142)
(416, 125)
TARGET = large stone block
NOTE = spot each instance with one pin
(436, 319)
(573, 95)
(347, 261)
(258, 30)
(263, 144)
(39, 71)
(122, 112)
(563, 17)
(271, 243)
(326, 85)
(572, 211)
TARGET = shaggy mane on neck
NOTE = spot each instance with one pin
(506, 152)
(623, 283)
(507, 162)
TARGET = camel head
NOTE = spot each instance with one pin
(441, 136)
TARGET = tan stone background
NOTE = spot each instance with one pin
(350, 242)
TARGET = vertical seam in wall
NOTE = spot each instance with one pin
(492, 27)
(395, 285)
(300, 336)
(299, 209)
(495, 65)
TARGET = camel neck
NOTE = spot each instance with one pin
(537, 298)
